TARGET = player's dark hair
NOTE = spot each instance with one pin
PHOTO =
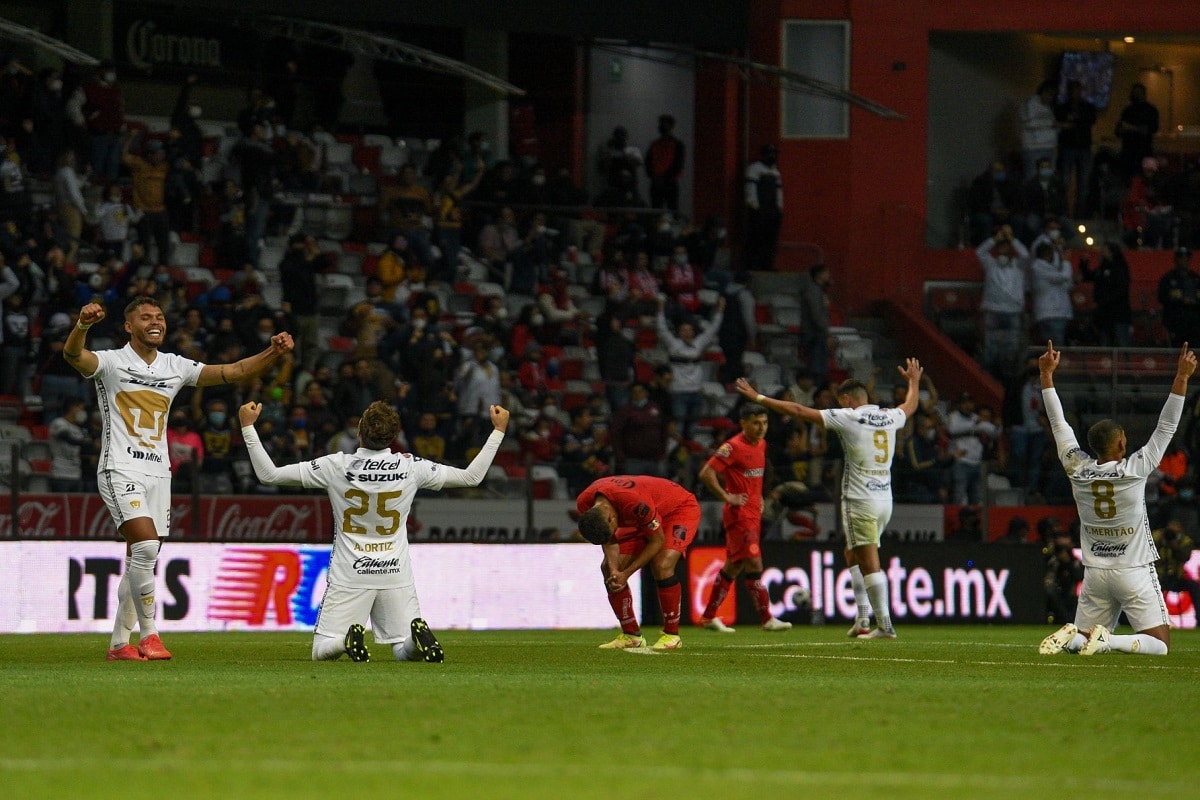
(751, 410)
(378, 426)
(593, 526)
(853, 386)
(139, 301)
(1103, 436)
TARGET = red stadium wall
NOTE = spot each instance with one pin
(863, 199)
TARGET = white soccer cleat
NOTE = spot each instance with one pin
(1098, 642)
(1057, 642)
(774, 624)
(860, 628)
(715, 624)
(878, 633)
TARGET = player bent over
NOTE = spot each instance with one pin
(640, 520)
(1118, 547)
(868, 435)
(371, 491)
(134, 387)
(740, 462)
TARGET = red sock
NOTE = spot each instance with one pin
(758, 593)
(720, 589)
(622, 606)
(669, 599)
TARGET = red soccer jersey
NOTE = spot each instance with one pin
(641, 501)
(741, 466)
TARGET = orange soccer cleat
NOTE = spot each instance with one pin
(125, 652)
(153, 649)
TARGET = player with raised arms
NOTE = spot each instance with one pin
(135, 386)
(1114, 528)
(372, 492)
(868, 435)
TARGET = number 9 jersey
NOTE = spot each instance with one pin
(372, 492)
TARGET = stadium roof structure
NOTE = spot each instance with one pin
(786, 79)
(11, 30)
(372, 45)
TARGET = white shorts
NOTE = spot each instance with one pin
(391, 612)
(129, 495)
(865, 520)
(1108, 592)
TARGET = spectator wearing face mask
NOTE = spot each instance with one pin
(186, 450)
(104, 110)
(991, 201)
(68, 434)
(113, 217)
(1003, 300)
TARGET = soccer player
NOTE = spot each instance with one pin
(1118, 547)
(371, 491)
(868, 435)
(134, 386)
(640, 520)
(735, 474)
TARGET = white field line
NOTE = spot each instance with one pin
(853, 779)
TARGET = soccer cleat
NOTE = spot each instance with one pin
(1098, 642)
(1057, 642)
(668, 641)
(716, 624)
(774, 624)
(426, 642)
(125, 652)
(624, 642)
(356, 644)
(878, 633)
(153, 649)
(860, 628)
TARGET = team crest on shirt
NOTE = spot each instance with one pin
(725, 450)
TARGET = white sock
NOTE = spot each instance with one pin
(125, 620)
(877, 591)
(860, 596)
(327, 648)
(142, 558)
(1076, 644)
(1140, 643)
(406, 650)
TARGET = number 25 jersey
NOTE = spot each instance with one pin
(372, 492)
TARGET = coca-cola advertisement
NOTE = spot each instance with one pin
(219, 519)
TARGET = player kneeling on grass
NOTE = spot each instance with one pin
(371, 491)
(640, 520)
(740, 462)
(1118, 547)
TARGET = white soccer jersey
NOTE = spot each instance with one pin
(372, 492)
(868, 436)
(135, 398)
(1110, 498)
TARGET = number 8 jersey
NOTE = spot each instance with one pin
(1114, 528)
(372, 492)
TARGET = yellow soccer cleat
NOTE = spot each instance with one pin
(624, 642)
(668, 641)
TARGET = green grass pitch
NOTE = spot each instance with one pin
(941, 712)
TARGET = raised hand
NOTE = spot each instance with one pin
(1048, 361)
(1187, 362)
(499, 417)
(912, 370)
(282, 343)
(91, 314)
(746, 390)
(248, 413)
